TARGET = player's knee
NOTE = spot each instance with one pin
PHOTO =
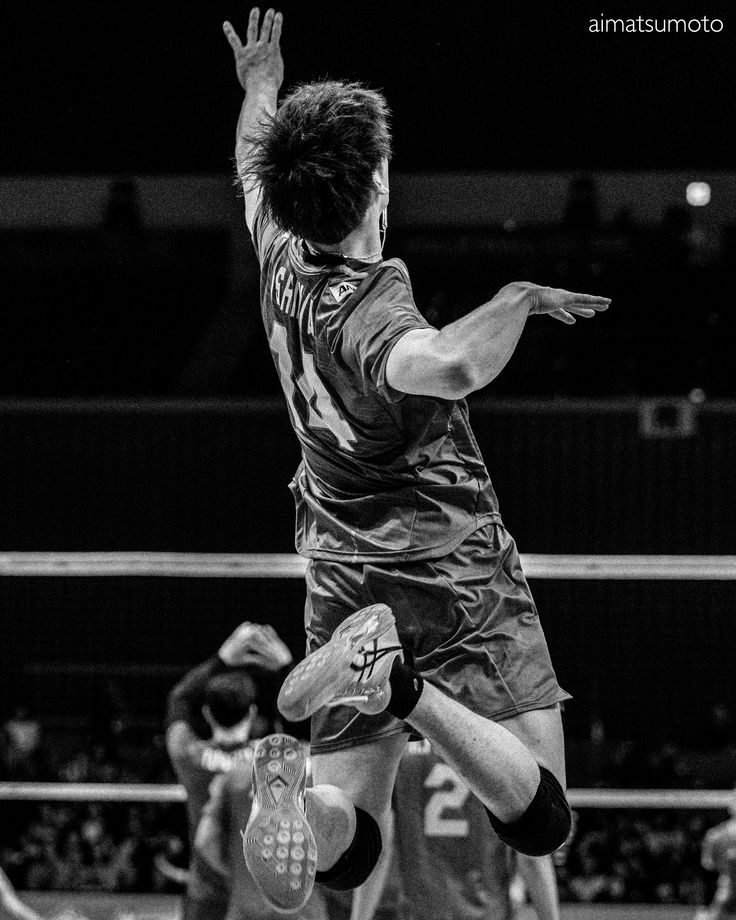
(546, 823)
(360, 858)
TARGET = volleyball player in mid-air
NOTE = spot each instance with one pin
(395, 509)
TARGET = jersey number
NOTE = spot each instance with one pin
(323, 412)
(444, 800)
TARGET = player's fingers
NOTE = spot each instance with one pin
(252, 32)
(587, 312)
(232, 36)
(563, 316)
(589, 300)
(267, 25)
(278, 21)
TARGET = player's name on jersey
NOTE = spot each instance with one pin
(290, 296)
(217, 760)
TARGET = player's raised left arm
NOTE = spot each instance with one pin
(259, 66)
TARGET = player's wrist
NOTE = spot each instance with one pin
(525, 293)
(262, 84)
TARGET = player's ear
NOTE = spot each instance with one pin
(380, 180)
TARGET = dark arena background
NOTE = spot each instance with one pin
(145, 448)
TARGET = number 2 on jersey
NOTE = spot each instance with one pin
(436, 824)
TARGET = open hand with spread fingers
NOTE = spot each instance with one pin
(564, 305)
(258, 62)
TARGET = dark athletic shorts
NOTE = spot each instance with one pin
(468, 619)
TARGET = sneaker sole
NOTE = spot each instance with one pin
(278, 843)
(311, 684)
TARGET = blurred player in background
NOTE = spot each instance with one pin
(395, 508)
(213, 716)
(449, 866)
(11, 906)
(718, 854)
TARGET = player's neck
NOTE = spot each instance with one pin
(364, 243)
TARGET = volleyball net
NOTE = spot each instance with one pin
(640, 641)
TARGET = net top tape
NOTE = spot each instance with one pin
(289, 565)
(579, 798)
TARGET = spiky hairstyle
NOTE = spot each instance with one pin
(315, 158)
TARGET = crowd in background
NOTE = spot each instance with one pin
(80, 846)
(614, 856)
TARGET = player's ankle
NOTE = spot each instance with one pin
(406, 688)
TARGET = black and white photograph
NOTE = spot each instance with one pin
(367, 450)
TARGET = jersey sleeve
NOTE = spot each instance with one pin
(264, 234)
(385, 313)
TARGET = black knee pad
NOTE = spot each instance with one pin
(360, 858)
(544, 826)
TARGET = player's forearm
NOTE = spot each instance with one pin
(260, 99)
(17, 910)
(11, 905)
(539, 875)
(481, 343)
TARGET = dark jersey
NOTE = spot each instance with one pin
(197, 763)
(452, 865)
(384, 475)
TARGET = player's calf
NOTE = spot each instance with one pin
(360, 858)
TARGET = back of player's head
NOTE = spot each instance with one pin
(315, 158)
(229, 697)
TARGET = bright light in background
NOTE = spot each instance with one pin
(698, 194)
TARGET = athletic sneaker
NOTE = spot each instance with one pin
(352, 669)
(278, 843)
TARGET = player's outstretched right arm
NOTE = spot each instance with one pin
(468, 354)
(260, 70)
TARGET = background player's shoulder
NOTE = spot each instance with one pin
(240, 778)
(418, 748)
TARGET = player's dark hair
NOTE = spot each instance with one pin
(229, 697)
(315, 158)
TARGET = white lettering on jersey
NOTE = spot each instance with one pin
(327, 415)
(290, 297)
(288, 294)
(215, 760)
(436, 821)
(323, 413)
(276, 286)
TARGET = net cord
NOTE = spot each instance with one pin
(579, 798)
(289, 565)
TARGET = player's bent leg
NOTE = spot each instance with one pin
(540, 731)
(546, 823)
(365, 774)
(499, 769)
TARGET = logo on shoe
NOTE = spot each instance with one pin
(277, 787)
